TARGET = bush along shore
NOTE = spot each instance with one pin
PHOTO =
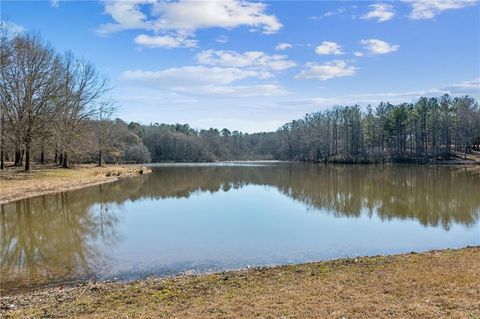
(436, 284)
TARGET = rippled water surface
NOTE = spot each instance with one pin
(194, 218)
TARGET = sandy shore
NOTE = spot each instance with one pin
(437, 284)
(16, 184)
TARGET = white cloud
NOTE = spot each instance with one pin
(428, 9)
(282, 46)
(380, 11)
(358, 54)
(55, 3)
(338, 11)
(201, 80)
(222, 39)
(332, 13)
(250, 59)
(375, 46)
(329, 70)
(193, 75)
(184, 17)
(190, 15)
(328, 47)
(127, 15)
(165, 41)
(471, 88)
(234, 90)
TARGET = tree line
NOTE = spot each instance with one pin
(53, 110)
(429, 129)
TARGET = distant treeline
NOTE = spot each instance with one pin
(430, 129)
(52, 110)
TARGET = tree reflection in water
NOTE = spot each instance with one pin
(57, 237)
(434, 196)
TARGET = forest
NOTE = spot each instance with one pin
(54, 111)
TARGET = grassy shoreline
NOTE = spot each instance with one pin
(16, 184)
(435, 284)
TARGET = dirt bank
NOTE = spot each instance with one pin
(437, 284)
(16, 184)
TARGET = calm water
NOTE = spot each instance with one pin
(195, 218)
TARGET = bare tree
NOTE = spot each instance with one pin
(445, 103)
(105, 111)
(29, 83)
(81, 88)
(2, 138)
(5, 59)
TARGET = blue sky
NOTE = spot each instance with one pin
(252, 66)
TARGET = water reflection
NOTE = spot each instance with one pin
(62, 237)
(433, 196)
(55, 238)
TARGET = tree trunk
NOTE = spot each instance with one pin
(2, 164)
(27, 156)
(100, 158)
(65, 160)
(446, 136)
(17, 157)
(42, 156)
(2, 142)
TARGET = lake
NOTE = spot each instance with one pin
(193, 218)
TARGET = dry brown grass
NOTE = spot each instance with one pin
(16, 184)
(439, 284)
